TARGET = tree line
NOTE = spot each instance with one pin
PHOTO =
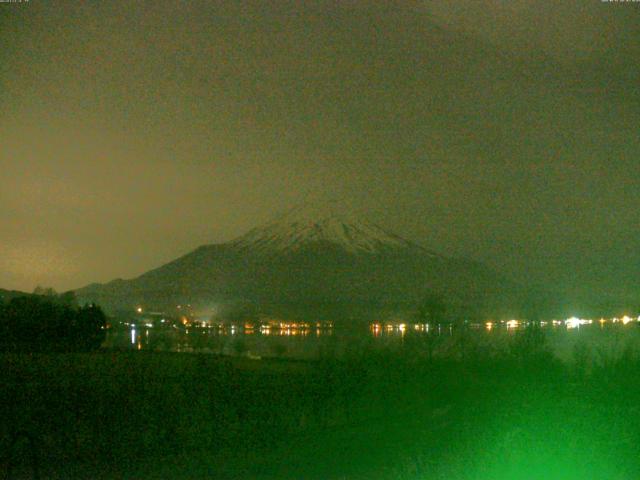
(47, 321)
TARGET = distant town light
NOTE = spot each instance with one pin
(572, 322)
(575, 322)
(139, 309)
(513, 324)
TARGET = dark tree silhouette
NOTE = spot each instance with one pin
(432, 309)
(50, 322)
(90, 327)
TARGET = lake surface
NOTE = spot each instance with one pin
(567, 339)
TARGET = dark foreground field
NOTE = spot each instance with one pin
(512, 414)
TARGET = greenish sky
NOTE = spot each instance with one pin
(132, 132)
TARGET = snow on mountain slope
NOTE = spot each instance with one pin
(306, 225)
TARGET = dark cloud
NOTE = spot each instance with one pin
(135, 131)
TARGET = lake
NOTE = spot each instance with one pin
(605, 338)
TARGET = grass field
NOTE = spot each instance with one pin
(513, 414)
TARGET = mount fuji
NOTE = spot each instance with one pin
(313, 263)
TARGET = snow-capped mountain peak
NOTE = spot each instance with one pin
(306, 225)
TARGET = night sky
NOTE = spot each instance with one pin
(132, 132)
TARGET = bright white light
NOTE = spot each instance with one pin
(572, 322)
(575, 322)
(626, 319)
(139, 309)
(133, 336)
(512, 323)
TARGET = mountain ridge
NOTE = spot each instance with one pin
(309, 262)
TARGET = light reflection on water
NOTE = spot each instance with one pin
(311, 341)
